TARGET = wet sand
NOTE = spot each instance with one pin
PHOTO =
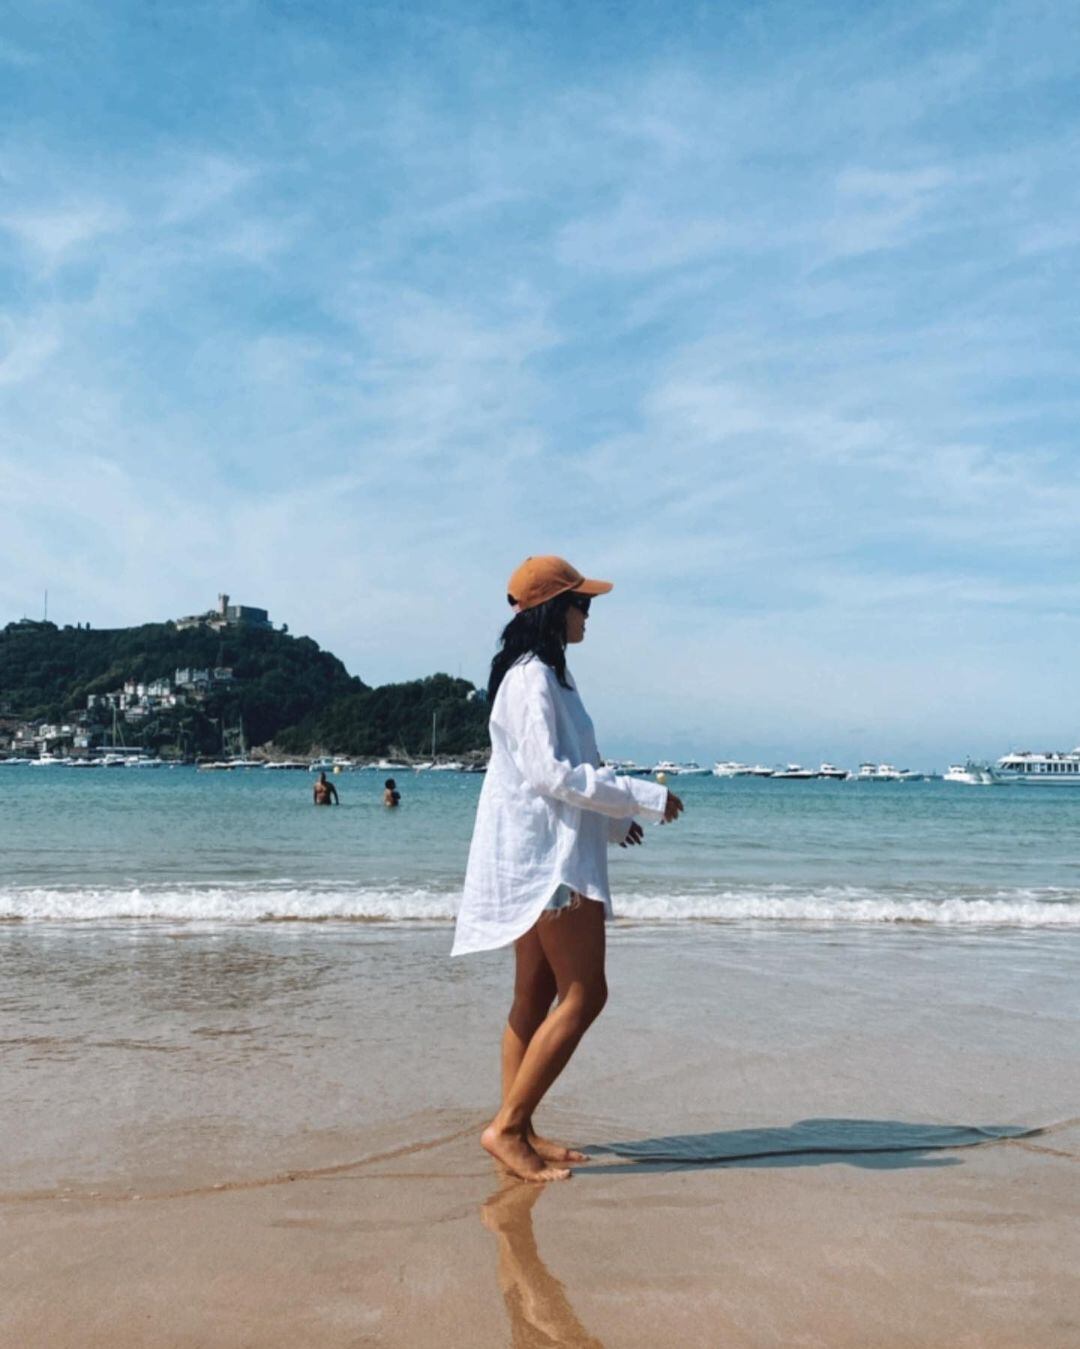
(261, 1161)
(428, 1249)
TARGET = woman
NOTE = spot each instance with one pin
(537, 873)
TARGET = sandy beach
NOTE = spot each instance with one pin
(268, 1137)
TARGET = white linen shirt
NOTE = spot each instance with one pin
(547, 811)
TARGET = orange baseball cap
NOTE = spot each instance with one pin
(540, 579)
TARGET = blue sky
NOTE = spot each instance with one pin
(766, 312)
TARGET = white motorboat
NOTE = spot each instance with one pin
(877, 772)
(689, 769)
(795, 773)
(452, 767)
(731, 769)
(1052, 768)
(759, 770)
(828, 770)
(973, 774)
(286, 766)
(629, 768)
(885, 772)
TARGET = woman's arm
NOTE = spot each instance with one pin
(527, 715)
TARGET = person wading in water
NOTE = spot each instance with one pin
(537, 874)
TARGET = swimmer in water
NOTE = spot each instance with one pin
(391, 796)
(325, 792)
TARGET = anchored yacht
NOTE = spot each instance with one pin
(971, 773)
(885, 772)
(795, 773)
(730, 769)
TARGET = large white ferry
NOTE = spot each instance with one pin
(1051, 769)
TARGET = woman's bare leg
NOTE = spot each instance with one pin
(573, 944)
(534, 992)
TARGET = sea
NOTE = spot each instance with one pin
(180, 845)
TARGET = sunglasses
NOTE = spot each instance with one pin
(581, 602)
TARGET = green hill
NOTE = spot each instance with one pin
(396, 718)
(283, 690)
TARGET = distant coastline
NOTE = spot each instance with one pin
(220, 685)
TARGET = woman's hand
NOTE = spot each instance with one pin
(673, 808)
(634, 835)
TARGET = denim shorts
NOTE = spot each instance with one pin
(563, 899)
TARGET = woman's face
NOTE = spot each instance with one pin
(575, 626)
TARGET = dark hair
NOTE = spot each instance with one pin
(539, 631)
(390, 784)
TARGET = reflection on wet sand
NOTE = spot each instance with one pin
(536, 1302)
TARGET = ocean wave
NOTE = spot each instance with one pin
(286, 902)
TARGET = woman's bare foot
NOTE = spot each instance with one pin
(513, 1152)
(551, 1151)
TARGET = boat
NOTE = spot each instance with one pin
(885, 772)
(731, 769)
(1050, 768)
(49, 761)
(287, 765)
(795, 773)
(628, 768)
(971, 773)
(391, 766)
(876, 772)
(452, 767)
(828, 770)
(759, 770)
(689, 769)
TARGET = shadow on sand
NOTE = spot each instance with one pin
(871, 1143)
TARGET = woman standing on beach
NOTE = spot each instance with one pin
(537, 873)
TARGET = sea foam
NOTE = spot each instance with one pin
(250, 902)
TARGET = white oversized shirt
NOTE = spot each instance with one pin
(547, 810)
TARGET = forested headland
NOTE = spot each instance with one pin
(244, 686)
